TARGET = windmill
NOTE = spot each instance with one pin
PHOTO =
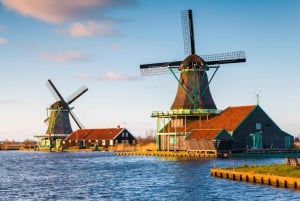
(193, 85)
(58, 120)
(193, 100)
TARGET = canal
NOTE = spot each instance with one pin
(104, 176)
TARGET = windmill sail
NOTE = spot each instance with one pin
(188, 32)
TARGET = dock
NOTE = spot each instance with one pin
(264, 179)
(176, 154)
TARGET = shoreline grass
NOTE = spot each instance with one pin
(274, 169)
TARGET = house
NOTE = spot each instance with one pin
(100, 137)
(239, 127)
(250, 127)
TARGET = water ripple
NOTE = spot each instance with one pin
(103, 176)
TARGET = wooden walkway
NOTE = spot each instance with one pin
(179, 154)
(271, 180)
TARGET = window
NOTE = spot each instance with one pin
(122, 134)
(172, 140)
(103, 142)
(126, 134)
(258, 126)
(111, 142)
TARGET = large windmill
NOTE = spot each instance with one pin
(58, 119)
(193, 85)
(193, 100)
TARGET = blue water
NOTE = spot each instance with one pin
(103, 176)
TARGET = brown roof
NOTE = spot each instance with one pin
(200, 144)
(93, 134)
(229, 119)
(204, 134)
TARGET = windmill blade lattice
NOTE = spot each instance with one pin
(213, 59)
(55, 93)
(224, 58)
(188, 32)
(77, 94)
(78, 123)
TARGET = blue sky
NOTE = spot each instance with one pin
(101, 43)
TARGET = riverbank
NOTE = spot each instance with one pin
(279, 175)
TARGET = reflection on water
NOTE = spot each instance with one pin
(103, 176)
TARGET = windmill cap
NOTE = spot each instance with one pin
(191, 61)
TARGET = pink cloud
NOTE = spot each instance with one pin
(91, 28)
(110, 75)
(115, 46)
(3, 41)
(58, 11)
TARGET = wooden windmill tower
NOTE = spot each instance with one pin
(58, 117)
(193, 99)
(58, 120)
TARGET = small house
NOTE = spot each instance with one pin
(100, 137)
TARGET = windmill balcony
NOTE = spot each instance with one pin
(189, 112)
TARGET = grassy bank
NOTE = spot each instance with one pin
(276, 169)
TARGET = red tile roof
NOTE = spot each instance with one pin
(229, 119)
(204, 134)
(93, 134)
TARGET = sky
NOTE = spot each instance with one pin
(101, 43)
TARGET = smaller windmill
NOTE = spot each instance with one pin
(58, 120)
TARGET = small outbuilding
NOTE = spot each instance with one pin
(209, 139)
(100, 137)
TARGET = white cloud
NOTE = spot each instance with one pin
(65, 57)
(85, 77)
(91, 28)
(3, 41)
(8, 102)
(110, 75)
(58, 11)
